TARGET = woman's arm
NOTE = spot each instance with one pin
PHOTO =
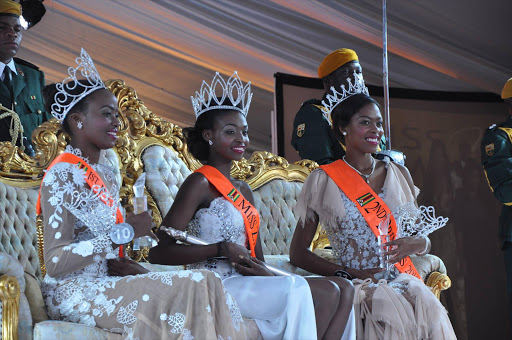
(301, 256)
(193, 194)
(409, 245)
(62, 253)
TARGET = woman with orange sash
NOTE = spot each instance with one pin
(218, 209)
(87, 281)
(350, 198)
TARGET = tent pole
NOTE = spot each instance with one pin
(387, 125)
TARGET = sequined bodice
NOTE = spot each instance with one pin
(353, 243)
(221, 221)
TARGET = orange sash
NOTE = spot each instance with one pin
(91, 177)
(249, 212)
(371, 206)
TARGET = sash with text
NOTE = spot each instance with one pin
(371, 206)
(91, 177)
(249, 212)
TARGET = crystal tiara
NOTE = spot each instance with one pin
(233, 89)
(64, 100)
(337, 97)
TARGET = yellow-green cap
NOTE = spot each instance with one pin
(10, 8)
(507, 90)
(336, 59)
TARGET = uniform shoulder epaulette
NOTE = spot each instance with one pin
(26, 63)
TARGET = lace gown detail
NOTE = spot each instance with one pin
(352, 245)
(228, 227)
(402, 309)
(165, 305)
(281, 306)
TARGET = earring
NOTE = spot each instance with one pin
(210, 142)
(344, 133)
(79, 125)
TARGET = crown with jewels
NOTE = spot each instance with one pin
(233, 89)
(64, 100)
(418, 221)
(332, 100)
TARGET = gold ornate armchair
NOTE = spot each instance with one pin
(146, 143)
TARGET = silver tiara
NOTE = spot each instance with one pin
(64, 100)
(337, 97)
(208, 99)
(419, 221)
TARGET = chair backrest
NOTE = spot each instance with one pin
(18, 226)
(148, 143)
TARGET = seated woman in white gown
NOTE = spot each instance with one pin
(219, 209)
(350, 198)
(86, 281)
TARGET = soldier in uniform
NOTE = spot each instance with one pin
(22, 82)
(497, 161)
(312, 135)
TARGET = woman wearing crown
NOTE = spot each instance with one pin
(86, 282)
(220, 210)
(358, 200)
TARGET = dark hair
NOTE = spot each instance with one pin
(49, 92)
(343, 113)
(197, 145)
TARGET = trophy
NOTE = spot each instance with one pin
(140, 204)
(388, 273)
(410, 221)
(183, 236)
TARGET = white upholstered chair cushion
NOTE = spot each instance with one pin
(18, 232)
(62, 330)
(165, 173)
(275, 202)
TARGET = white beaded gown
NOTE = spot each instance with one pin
(281, 306)
(188, 304)
(402, 309)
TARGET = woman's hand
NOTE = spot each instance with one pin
(142, 224)
(251, 266)
(403, 247)
(234, 252)
(123, 267)
(364, 273)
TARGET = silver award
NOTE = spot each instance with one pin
(184, 237)
(121, 233)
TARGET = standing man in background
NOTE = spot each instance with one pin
(496, 151)
(312, 135)
(22, 82)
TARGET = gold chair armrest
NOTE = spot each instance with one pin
(10, 297)
(438, 282)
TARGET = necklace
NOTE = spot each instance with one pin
(366, 177)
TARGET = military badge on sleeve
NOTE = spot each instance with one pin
(300, 129)
(489, 149)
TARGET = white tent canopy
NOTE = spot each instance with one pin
(164, 48)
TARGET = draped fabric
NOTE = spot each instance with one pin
(174, 45)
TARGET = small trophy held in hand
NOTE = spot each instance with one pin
(387, 274)
(140, 204)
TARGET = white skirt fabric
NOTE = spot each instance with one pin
(281, 306)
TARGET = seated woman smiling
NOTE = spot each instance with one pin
(86, 282)
(220, 210)
(350, 198)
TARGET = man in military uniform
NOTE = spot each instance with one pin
(22, 83)
(312, 135)
(497, 162)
